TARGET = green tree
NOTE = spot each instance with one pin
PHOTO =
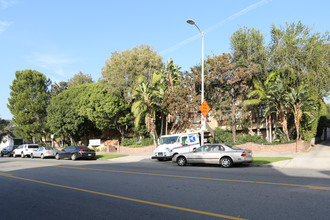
(264, 94)
(298, 100)
(227, 83)
(57, 88)
(28, 101)
(146, 102)
(301, 57)
(249, 51)
(64, 119)
(79, 79)
(104, 109)
(122, 69)
(166, 80)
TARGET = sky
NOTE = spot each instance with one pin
(60, 38)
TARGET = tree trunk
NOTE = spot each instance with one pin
(267, 130)
(233, 127)
(270, 127)
(284, 122)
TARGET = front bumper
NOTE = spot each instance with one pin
(162, 157)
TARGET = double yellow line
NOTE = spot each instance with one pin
(127, 198)
(189, 177)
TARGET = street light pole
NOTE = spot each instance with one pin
(203, 119)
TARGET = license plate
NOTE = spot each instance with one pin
(160, 154)
(89, 155)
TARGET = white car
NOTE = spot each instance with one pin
(44, 152)
(222, 154)
(25, 150)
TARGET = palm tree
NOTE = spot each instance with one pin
(297, 100)
(265, 95)
(146, 102)
(166, 80)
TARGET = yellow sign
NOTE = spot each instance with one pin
(205, 108)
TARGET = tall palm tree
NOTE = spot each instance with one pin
(166, 80)
(264, 94)
(297, 100)
(146, 102)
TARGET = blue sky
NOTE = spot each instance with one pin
(60, 38)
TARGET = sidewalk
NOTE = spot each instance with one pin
(317, 158)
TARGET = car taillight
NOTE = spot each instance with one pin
(12, 151)
(243, 154)
(81, 151)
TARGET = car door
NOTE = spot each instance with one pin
(213, 154)
(197, 156)
(38, 152)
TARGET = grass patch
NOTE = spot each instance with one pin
(109, 156)
(265, 160)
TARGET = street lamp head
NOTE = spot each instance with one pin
(190, 21)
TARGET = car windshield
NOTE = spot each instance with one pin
(168, 140)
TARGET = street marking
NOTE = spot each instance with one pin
(127, 198)
(187, 177)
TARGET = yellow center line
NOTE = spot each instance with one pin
(127, 198)
(188, 177)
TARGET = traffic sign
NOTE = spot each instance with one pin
(205, 108)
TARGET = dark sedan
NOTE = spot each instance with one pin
(75, 152)
(8, 151)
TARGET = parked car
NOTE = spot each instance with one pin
(25, 150)
(44, 152)
(8, 151)
(75, 152)
(222, 154)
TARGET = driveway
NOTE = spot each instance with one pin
(317, 158)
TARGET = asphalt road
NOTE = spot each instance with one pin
(65, 189)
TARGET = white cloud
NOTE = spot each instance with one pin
(6, 3)
(52, 62)
(4, 25)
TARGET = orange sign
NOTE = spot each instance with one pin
(205, 108)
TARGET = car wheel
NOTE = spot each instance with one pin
(42, 156)
(181, 161)
(22, 155)
(14, 155)
(57, 156)
(31, 155)
(226, 162)
(1, 155)
(73, 157)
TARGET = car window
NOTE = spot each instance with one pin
(184, 140)
(202, 148)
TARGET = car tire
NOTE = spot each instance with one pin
(226, 162)
(181, 161)
(42, 156)
(1, 155)
(73, 157)
(57, 156)
(22, 155)
(14, 155)
(31, 155)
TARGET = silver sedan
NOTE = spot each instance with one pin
(44, 152)
(222, 154)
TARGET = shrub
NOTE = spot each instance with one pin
(129, 141)
(242, 139)
(223, 136)
(147, 141)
